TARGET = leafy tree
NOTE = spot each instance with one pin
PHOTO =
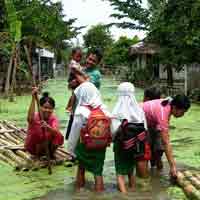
(37, 23)
(133, 13)
(118, 53)
(173, 25)
(98, 36)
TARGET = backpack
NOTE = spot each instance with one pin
(132, 137)
(96, 133)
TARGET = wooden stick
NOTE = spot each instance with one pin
(38, 105)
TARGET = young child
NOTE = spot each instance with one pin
(128, 109)
(87, 97)
(158, 113)
(152, 93)
(36, 137)
(74, 69)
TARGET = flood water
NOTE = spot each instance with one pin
(153, 188)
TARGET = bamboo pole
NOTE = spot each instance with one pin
(188, 188)
(10, 138)
(4, 142)
(194, 180)
(16, 137)
(24, 155)
(9, 161)
(12, 126)
(38, 105)
(18, 160)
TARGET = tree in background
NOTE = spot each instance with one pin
(173, 25)
(38, 23)
(98, 36)
(118, 53)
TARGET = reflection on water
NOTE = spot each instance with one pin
(149, 189)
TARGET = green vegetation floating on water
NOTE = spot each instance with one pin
(28, 185)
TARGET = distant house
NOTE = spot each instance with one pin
(145, 55)
(43, 68)
(43, 64)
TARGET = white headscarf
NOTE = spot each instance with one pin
(88, 95)
(127, 106)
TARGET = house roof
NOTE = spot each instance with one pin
(45, 53)
(143, 48)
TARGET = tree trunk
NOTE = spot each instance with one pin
(170, 81)
(13, 80)
(9, 71)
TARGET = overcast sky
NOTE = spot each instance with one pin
(92, 12)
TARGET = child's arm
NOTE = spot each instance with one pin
(71, 103)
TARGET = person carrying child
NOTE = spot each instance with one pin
(90, 68)
(128, 128)
(90, 73)
(158, 113)
(36, 137)
(86, 135)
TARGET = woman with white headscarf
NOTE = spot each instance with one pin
(87, 96)
(127, 109)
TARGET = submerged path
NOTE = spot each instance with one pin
(185, 139)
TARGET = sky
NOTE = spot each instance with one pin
(92, 12)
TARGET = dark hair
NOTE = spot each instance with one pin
(45, 98)
(74, 50)
(180, 101)
(96, 52)
(152, 92)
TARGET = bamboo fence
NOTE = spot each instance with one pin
(12, 149)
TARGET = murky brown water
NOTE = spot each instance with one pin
(152, 189)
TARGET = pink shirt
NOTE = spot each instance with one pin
(36, 136)
(157, 116)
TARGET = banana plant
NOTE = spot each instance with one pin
(15, 35)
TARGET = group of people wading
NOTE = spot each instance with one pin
(139, 131)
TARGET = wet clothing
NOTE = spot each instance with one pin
(125, 108)
(91, 160)
(147, 152)
(94, 75)
(124, 163)
(36, 136)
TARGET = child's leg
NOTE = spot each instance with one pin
(142, 168)
(80, 177)
(121, 183)
(131, 181)
(99, 185)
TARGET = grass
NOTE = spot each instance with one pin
(185, 137)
